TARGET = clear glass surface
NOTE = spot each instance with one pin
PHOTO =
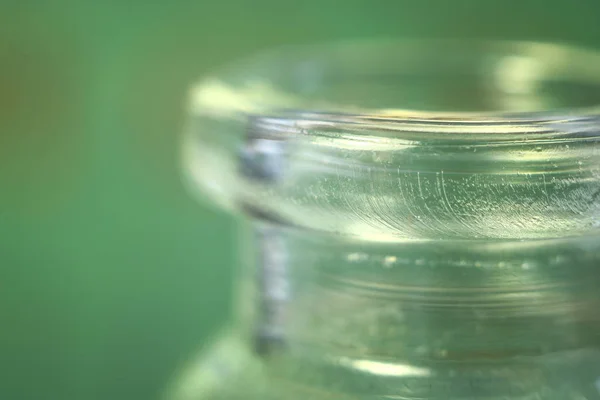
(420, 221)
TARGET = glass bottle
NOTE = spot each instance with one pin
(420, 221)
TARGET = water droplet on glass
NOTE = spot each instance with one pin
(388, 261)
(356, 257)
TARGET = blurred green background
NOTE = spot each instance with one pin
(111, 275)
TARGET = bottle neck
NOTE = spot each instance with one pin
(436, 300)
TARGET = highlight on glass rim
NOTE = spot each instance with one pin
(419, 220)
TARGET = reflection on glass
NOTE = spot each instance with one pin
(420, 221)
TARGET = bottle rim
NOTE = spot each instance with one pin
(282, 137)
(362, 83)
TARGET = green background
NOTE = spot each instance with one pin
(111, 276)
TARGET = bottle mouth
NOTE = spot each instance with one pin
(440, 82)
(405, 140)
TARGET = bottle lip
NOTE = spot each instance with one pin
(417, 128)
(267, 138)
(521, 87)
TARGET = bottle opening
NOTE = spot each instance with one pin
(393, 77)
